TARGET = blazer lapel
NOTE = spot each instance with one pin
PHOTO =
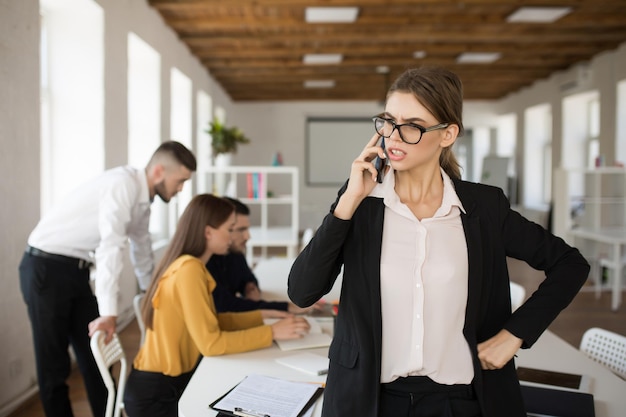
(473, 237)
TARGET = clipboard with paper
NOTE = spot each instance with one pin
(264, 396)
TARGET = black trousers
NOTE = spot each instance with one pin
(153, 394)
(60, 306)
(420, 396)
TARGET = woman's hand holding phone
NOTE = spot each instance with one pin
(363, 178)
(381, 164)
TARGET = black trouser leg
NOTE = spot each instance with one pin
(84, 310)
(152, 394)
(51, 290)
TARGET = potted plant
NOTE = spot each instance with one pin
(225, 139)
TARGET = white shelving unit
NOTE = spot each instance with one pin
(591, 204)
(277, 192)
(590, 198)
(599, 197)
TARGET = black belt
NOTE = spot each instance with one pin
(77, 262)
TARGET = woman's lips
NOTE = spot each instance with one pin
(395, 154)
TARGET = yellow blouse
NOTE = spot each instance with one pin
(185, 323)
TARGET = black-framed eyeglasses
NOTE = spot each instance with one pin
(409, 132)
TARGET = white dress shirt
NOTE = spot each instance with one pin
(95, 221)
(424, 272)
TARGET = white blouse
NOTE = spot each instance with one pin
(424, 278)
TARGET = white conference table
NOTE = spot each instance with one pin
(616, 238)
(216, 375)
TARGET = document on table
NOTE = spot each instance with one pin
(259, 395)
(306, 362)
(314, 339)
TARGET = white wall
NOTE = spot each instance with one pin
(19, 183)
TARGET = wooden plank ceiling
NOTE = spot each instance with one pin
(255, 49)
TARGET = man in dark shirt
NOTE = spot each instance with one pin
(237, 288)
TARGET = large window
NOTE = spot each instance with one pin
(144, 116)
(144, 100)
(506, 141)
(181, 131)
(537, 156)
(593, 133)
(581, 127)
(481, 143)
(203, 146)
(72, 83)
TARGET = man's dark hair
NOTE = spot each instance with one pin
(179, 152)
(240, 208)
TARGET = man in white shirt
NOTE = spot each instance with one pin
(91, 225)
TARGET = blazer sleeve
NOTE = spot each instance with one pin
(316, 268)
(565, 268)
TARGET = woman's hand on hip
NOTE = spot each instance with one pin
(497, 351)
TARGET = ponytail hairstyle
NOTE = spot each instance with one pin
(441, 92)
(189, 239)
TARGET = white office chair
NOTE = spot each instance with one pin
(606, 347)
(518, 294)
(106, 355)
(137, 307)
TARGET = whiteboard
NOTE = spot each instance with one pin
(331, 146)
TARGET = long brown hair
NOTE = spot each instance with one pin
(189, 239)
(441, 92)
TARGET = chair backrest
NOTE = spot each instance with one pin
(606, 347)
(518, 293)
(106, 355)
(137, 307)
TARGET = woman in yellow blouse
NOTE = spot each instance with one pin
(180, 317)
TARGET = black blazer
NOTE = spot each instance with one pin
(493, 231)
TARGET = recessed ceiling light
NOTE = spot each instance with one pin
(478, 57)
(331, 14)
(319, 83)
(538, 14)
(419, 54)
(317, 59)
(382, 69)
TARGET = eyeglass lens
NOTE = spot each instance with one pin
(409, 133)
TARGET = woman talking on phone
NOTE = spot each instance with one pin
(180, 317)
(425, 325)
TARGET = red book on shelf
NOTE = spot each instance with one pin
(250, 185)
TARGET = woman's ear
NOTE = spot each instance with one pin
(207, 232)
(449, 136)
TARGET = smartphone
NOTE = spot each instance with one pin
(380, 163)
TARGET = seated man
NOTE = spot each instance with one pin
(237, 288)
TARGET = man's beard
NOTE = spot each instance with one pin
(159, 189)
